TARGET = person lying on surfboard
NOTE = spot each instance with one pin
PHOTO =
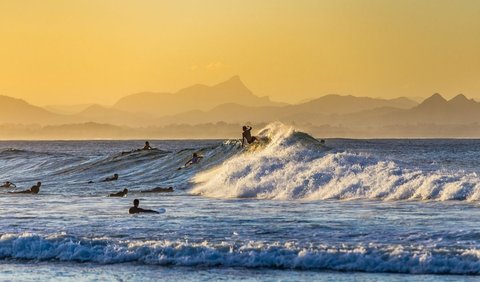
(33, 190)
(111, 178)
(8, 184)
(147, 146)
(247, 135)
(136, 209)
(194, 160)
(158, 190)
(120, 194)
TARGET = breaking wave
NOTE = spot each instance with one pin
(251, 254)
(293, 165)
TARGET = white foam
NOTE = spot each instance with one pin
(295, 166)
(286, 255)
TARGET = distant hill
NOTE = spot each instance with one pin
(67, 109)
(436, 109)
(319, 111)
(18, 111)
(196, 97)
(220, 110)
(338, 104)
(101, 114)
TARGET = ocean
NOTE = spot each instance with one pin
(292, 209)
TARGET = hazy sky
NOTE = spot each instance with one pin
(59, 52)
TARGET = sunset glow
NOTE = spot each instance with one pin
(70, 52)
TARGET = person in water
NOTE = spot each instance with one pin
(120, 194)
(195, 159)
(158, 190)
(136, 209)
(111, 178)
(8, 184)
(247, 135)
(147, 146)
(33, 190)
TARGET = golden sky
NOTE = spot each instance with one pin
(67, 52)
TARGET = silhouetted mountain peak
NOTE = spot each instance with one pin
(460, 98)
(462, 103)
(436, 97)
(434, 100)
(234, 83)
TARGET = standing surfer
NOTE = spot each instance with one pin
(247, 135)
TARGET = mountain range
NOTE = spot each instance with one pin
(232, 102)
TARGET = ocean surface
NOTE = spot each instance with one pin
(290, 209)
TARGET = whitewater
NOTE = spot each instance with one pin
(291, 208)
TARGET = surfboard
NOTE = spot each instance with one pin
(161, 210)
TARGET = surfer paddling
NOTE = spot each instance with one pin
(33, 190)
(247, 135)
(136, 209)
(194, 160)
(111, 178)
(120, 194)
(158, 190)
(8, 184)
(147, 146)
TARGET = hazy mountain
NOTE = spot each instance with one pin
(331, 115)
(226, 113)
(436, 109)
(18, 111)
(319, 111)
(101, 114)
(337, 104)
(67, 109)
(196, 97)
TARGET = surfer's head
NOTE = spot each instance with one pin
(136, 202)
(146, 143)
(244, 128)
(39, 183)
(125, 191)
(195, 155)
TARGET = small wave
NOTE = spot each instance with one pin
(296, 166)
(12, 153)
(251, 254)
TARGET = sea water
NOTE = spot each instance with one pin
(288, 210)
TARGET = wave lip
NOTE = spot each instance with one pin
(288, 255)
